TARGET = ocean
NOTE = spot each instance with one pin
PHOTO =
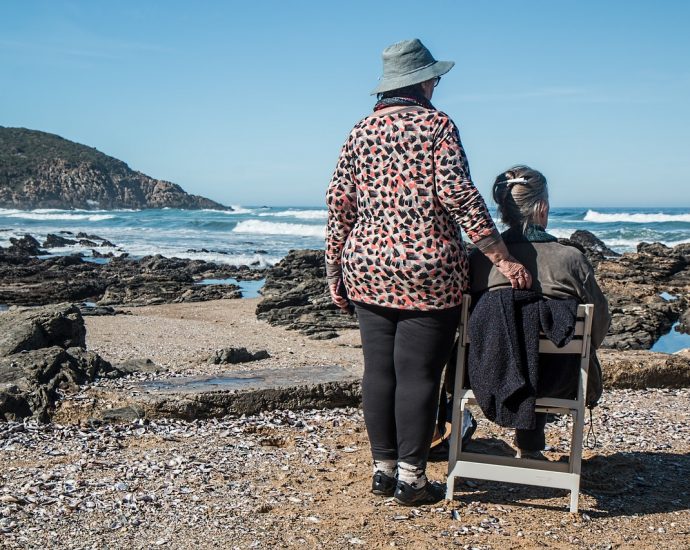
(261, 236)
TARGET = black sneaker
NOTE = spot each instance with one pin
(383, 484)
(430, 493)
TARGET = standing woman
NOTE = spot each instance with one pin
(400, 193)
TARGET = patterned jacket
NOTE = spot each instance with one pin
(399, 195)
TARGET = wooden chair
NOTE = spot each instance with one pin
(561, 475)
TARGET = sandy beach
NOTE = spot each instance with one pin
(179, 337)
(301, 478)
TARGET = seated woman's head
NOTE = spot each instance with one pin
(522, 198)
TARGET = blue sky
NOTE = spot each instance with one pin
(249, 102)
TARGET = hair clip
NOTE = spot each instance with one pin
(515, 180)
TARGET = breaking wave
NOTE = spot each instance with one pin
(55, 215)
(300, 214)
(626, 217)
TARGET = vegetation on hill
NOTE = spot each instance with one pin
(42, 170)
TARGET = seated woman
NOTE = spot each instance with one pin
(559, 271)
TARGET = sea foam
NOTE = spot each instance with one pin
(36, 215)
(624, 217)
(258, 227)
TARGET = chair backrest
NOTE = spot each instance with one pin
(583, 329)
(579, 345)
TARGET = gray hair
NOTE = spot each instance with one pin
(519, 192)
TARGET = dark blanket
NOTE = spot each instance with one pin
(503, 362)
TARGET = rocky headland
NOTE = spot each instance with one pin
(42, 170)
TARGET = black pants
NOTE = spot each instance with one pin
(532, 440)
(404, 355)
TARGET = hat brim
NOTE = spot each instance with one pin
(415, 77)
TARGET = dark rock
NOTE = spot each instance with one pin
(638, 325)
(97, 311)
(57, 262)
(296, 296)
(26, 246)
(592, 243)
(123, 414)
(683, 250)
(86, 236)
(654, 249)
(31, 329)
(53, 241)
(96, 254)
(264, 389)
(87, 242)
(591, 246)
(25, 280)
(13, 403)
(632, 284)
(644, 369)
(132, 366)
(30, 382)
(91, 364)
(684, 322)
(236, 355)
(323, 335)
(159, 290)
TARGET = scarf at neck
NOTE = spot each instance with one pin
(533, 234)
(408, 100)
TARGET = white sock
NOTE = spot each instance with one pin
(411, 474)
(387, 467)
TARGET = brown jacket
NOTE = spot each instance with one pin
(558, 271)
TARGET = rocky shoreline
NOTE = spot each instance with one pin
(647, 292)
(106, 279)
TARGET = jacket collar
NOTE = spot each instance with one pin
(533, 234)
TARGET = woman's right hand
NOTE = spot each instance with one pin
(338, 299)
(515, 272)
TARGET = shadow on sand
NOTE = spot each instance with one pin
(623, 484)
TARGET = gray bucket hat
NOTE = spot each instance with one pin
(409, 62)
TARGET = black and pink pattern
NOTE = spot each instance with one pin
(399, 192)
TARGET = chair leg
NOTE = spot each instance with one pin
(455, 447)
(574, 494)
(575, 465)
(452, 456)
(450, 487)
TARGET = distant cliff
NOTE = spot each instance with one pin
(41, 170)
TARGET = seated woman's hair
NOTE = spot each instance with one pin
(519, 192)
